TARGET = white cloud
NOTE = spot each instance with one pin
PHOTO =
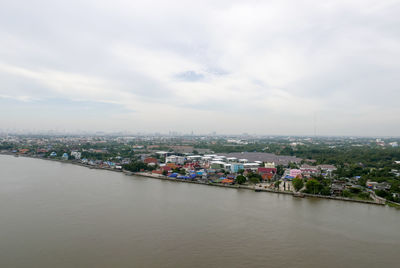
(207, 65)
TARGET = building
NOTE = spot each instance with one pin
(150, 160)
(179, 160)
(235, 167)
(269, 165)
(327, 168)
(294, 173)
(64, 156)
(76, 155)
(308, 171)
(263, 170)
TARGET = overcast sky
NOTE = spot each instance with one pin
(266, 67)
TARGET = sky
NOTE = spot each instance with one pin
(282, 67)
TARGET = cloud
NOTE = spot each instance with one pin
(263, 66)
(190, 76)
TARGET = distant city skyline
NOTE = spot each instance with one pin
(324, 68)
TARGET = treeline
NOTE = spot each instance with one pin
(367, 156)
(137, 166)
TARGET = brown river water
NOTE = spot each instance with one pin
(62, 215)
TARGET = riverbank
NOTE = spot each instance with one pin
(253, 188)
(63, 161)
(236, 186)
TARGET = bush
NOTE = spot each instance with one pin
(254, 180)
(363, 195)
(240, 179)
(346, 193)
(297, 184)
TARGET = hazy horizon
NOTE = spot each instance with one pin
(294, 68)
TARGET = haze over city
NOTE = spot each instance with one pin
(266, 67)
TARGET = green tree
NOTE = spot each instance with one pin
(313, 186)
(326, 190)
(136, 166)
(280, 170)
(277, 183)
(298, 184)
(254, 180)
(346, 193)
(240, 179)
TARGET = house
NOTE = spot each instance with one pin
(227, 181)
(267, 176)
(262, 170)
(150, 160)
(64, 156)
(269, 165)
(294, 173)
(23, 151)
(327, 169)
(180, 160)
(235, 167)
(337, 189)
(165, 168)
(76, 155)
(308, 171)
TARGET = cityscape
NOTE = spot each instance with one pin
(294, 165)
(199, 134)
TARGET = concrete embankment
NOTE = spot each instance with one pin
(162, 177)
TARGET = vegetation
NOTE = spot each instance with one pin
(240, 179)
(313, 186)
(298, 184)
(137, 166)
(254, 180)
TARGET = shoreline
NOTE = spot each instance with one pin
(252, 188)
(162, 177)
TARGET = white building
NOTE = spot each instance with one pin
(180, 160)
(76, 155)
(269, 165)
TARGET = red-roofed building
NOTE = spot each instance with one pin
(23, 151)
(227, 181)
(150, 160)
(165, 168)
(267, 176)
(263, 170)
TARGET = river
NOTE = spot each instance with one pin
(61, 215)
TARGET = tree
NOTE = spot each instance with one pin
(277, 183)
(165, 173)
(297, 184)
(313, 186)
(346, 193)
(280, 170)
(326, 190)
(240, 179)
(136, 166)
(254, 180)
(241, 171)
